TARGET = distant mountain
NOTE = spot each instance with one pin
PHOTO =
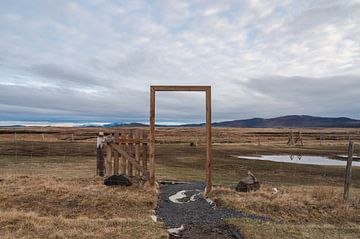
(292, 121)
(116, 124)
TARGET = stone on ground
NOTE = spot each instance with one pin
(249, 183)
(121, 180)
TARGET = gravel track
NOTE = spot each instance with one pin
(199, 218)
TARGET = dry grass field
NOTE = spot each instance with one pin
(52, 207)
(48, 188)
(303, 211)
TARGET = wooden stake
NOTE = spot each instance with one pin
(348, 171)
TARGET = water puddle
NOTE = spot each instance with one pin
(298, 159)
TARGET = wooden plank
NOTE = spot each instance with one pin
(129, 158)
(145, 152)
(152, 137)
(122, 159)
(348, 171)
(100, 161)
(180, 88)
(116, 157)
(208, 143)
(130, 150)
(137, 151)
(132, 141)
(108, 162)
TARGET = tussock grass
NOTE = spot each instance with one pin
(304, 211)
(295, 204)
(266, 230)
(49, 207)
(20, 224)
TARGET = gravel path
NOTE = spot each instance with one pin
(182, 206)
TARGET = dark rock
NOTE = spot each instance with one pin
(120, 179)
(249, 183)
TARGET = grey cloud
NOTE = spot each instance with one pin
(326, 95)
(53, 72)
(112, 52)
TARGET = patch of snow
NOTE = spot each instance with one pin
(192, 198)
(175, 231)
(179, 195)
(154, 218)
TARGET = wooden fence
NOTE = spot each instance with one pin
(124, 152)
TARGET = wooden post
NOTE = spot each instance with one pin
(122, 159)
(208, 142)
(108, 162)
(145, 151)
(137, 151)
(348, 171)
(291, 138)
(152, 138)
(100, 167)
(116, 156)
(130, 151)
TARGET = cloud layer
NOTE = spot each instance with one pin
(96, 59)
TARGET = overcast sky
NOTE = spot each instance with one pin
(95, 60)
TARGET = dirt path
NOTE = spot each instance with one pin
(188, 214)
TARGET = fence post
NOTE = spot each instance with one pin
(348, 171)
(108, 160)
(100, 155)
(116, 155)
(122, 159)
(130, 151)
(137, 151)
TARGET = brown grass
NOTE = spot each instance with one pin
(74, 205)
(295, 204)
(266, 230)
(48, 207)
(304, 212)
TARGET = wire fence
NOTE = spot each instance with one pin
(23, 152)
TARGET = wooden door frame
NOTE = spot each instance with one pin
(206, 89)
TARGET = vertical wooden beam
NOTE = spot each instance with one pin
(122, 159)
(348, 171)
(152, 138)
(145, 151)
(116, 156)
(130, 151)
(208, 142)
(137, 151)
(108, 162)
(100, 162)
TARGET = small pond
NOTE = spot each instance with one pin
(305, 159)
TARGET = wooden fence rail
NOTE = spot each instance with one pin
(126, 152)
